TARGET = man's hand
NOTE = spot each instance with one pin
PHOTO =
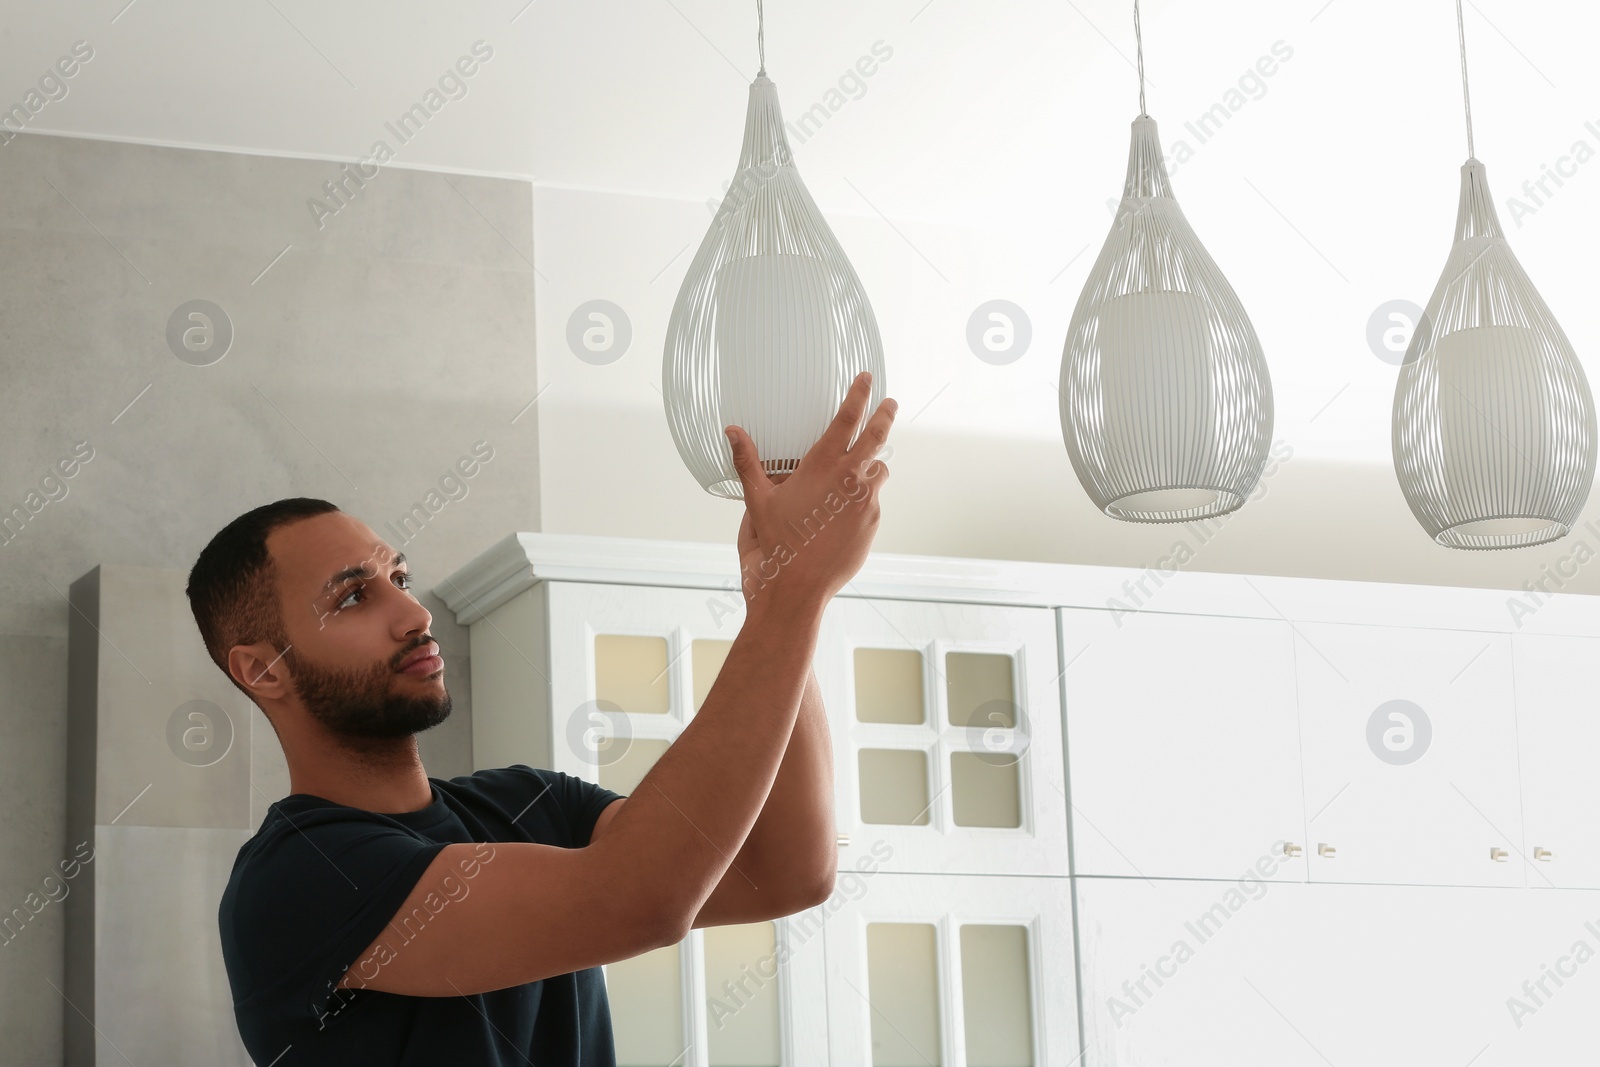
(806, 534)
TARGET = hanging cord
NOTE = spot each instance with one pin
(1139, 39)
(761, 38)
(1465, 96)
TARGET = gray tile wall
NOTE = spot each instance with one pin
(367, 356)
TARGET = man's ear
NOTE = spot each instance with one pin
(261, 669)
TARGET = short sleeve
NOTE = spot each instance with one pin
(579, 800)
(316, 895)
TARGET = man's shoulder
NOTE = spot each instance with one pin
(317, 880)
(300, 832)
(302, 818)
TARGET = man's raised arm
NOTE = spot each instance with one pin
(539, 910)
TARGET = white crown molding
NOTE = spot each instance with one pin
(520, 561)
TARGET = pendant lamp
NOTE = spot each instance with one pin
(1166, 404)
(1494, 424)
(771, 324)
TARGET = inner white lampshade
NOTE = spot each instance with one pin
(775, 343)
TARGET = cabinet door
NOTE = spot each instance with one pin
(1182, 743)
(1545, 1009)
(629, 666)
(947, 734)
(1558, 737)
(1214, 974)
(1410, 755)
(957, 970)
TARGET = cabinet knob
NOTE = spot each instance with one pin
(1291, 849)
(1325, 851)
(1498, 854)
(1543, 854)
(844, 839)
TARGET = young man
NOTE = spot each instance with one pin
(380, 916)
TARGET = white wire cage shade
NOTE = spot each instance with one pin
(771, 324)
(1494, 423)
(1166, 402)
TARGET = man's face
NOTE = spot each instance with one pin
(352, 625)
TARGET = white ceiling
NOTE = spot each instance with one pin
(1331, 193)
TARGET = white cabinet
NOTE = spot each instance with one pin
(1183, 742)
(1415, 768)
(1388, 754)
(955, 970)
(1409, 741)
(1558, 738)
(946, 721)
(1214, 974)
(947, 734)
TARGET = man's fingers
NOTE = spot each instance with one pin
(836, 438)
(875, 433)
(747, 462)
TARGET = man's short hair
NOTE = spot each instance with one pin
(232, 588)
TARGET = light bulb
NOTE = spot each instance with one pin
(1494, 424)
(771, 324)
(1166, 404)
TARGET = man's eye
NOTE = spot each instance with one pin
(402, 578)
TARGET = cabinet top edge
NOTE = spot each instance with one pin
(519, 561)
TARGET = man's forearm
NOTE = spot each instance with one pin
(696, 807)
(793, 842)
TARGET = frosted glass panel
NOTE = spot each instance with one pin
(894, 785)
(903, 988)
(979, 689)
(742, 995)
(889, 685)
(631, 672)
(705, 662)
(997, 998)
(646, 997)
(634, 758)
(984, 789)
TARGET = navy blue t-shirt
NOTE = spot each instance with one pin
(320, 881)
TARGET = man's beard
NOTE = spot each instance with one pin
(357, 704)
